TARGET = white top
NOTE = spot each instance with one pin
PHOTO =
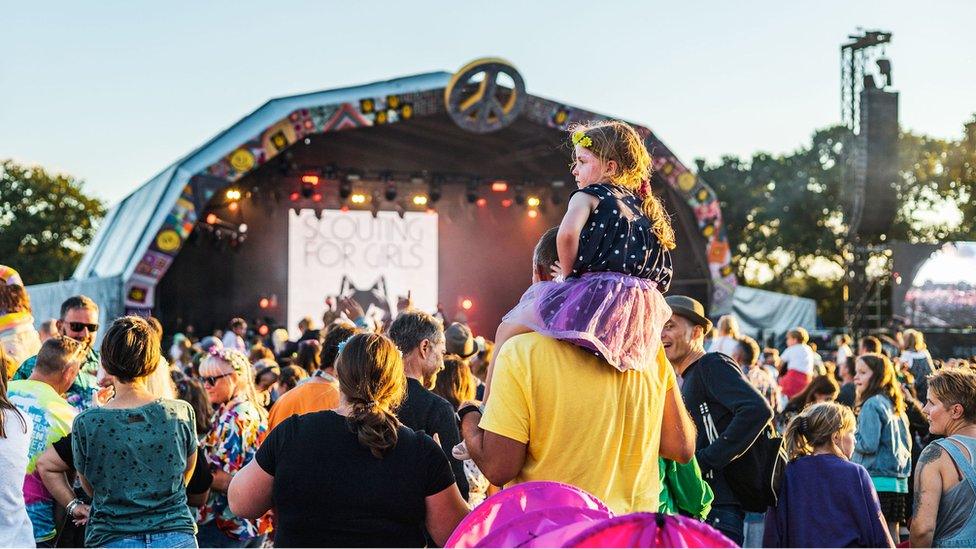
(843, 353)
(234, 341)
(724, 344)
(15, 526)
(798, 357)
(908, 356)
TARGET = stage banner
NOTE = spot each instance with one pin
(373, 260)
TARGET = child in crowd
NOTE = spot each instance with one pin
(842, 512)
(728, 336)
(884, 445)
(614, 247)
(798, 361)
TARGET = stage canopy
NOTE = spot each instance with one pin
(414, 119)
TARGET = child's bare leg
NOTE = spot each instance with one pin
(506, 330)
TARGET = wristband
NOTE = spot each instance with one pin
(72, 505)
(467, 410)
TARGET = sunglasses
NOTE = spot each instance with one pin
(79, 326)
(212, 380)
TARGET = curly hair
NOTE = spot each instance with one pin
(613, 140)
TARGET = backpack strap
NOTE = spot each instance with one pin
(962, 464)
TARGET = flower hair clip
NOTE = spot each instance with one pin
(580, 138)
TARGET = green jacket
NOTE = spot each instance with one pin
(683, 490)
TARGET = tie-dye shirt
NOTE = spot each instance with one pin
(52, 416)
(81, 394)
(238, 430)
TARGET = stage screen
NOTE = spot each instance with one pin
(935, 286)
(373, 259)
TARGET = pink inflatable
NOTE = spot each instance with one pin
(551, 514)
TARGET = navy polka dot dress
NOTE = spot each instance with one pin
(618, 237)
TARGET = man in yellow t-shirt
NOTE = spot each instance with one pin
(558, 413)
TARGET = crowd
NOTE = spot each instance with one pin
(366, 433)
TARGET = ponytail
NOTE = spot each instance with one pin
(371, 377)
(815, 427)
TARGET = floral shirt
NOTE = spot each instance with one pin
(237, 432)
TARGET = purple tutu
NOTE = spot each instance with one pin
(615, 316)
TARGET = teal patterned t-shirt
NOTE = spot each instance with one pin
(134, 459)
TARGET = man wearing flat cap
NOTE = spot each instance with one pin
(727, 410)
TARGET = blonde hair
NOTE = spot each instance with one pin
(613, 140)
(217, 358)
(728, 325)
(914, 340)
(815, 426)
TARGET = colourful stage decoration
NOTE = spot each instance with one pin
(485, 108)
(551, 514)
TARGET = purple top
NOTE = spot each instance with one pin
(825, 501)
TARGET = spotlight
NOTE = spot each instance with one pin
(242, 228)
(233, 194)
(506, 202)
(419, 200)
(533, 202)
(499, 187)
(390, 193)
(533, 214)
(472, 194)
(211, 218)
(358, 198)
(345, 186)
(294, 196)
(264, 303)
(310, 179)
(317, 197)
(467, 304)
(232, 206)
(263, 329)
(435, 190)
(482, 202)
(519, 195)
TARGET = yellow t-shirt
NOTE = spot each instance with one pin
(585, 423)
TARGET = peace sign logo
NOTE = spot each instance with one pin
(479, 102)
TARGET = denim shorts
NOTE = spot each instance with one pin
(161, 539)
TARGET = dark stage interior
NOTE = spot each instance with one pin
(484, 251)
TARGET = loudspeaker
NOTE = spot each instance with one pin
(876, 166)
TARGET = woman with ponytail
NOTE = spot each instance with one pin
(238, 426)
(824, 499)
(353, 476)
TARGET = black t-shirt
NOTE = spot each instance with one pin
(424, 411)
(200, 481)
(330, 491)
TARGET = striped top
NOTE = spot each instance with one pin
(618, 237)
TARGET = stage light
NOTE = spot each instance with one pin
(232, 206)
(310, 179)
(419, 200)
(533, 202)
(345, 186)
(233, 194)
(431, 211)
(499, 187)
(482, 202)
(506, 202)
(317, 197)
(294, 196)
(435, 190)
(533, 214)
(390, 192)
(264, 303)
(472, 191)
(242, 228)
(211, 218)
(467, 304)
(358, 198)
(263, 329)
(344, 208)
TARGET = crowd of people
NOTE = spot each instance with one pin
(360, 433)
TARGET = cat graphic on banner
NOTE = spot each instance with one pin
(388, 253)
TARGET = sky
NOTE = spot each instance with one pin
(112, 92)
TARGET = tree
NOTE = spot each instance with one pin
(46, 221)
(785, 214)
